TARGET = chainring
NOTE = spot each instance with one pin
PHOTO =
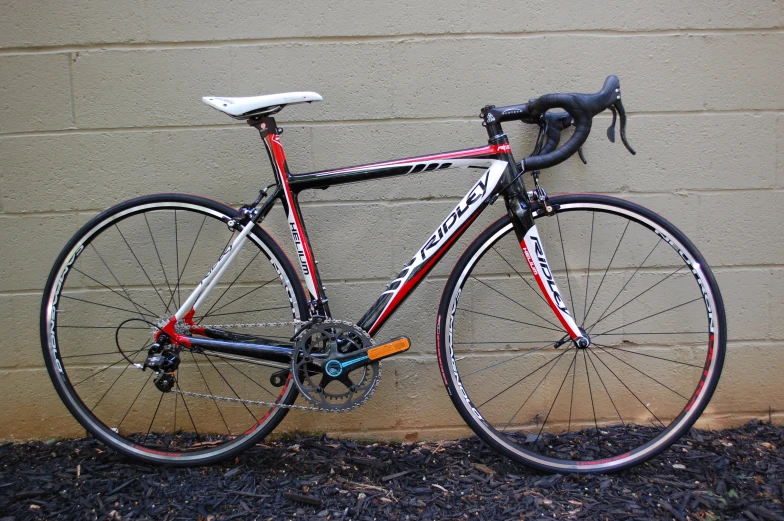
(317, 348)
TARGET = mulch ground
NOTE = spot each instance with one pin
(731, 474)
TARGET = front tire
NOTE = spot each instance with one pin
(644, 295)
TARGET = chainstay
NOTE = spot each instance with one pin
(273, 404)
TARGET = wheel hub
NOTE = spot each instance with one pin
(584, 341)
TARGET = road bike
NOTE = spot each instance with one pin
(177, 331)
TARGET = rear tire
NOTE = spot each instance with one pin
(129, 269)
(642, 292)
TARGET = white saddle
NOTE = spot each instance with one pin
(243, 108)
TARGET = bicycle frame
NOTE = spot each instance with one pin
(501, 175)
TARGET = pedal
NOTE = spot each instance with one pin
(388, 349)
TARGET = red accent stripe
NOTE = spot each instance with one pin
(411, 284)
(158, 452)
(555, 308)
(458, 154)
(704, 376)
(280, 160)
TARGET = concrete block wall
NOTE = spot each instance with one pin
(100, 102)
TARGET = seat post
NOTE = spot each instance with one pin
(267, 126)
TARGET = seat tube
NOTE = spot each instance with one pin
(270, 135)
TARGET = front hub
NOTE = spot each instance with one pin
(582, 342)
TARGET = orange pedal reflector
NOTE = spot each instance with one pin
(392, 347)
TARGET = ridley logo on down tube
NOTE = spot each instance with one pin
(537, 262)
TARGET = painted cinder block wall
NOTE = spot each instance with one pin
(100, 102)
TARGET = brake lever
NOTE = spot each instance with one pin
(611, 128)
(622, 117)
(582, 156)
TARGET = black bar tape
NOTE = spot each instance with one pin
(582, 107)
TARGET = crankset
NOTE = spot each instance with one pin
(336, 366)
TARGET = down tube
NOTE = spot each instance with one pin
(438, 244)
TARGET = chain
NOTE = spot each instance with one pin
(250, 402)
(295, 322)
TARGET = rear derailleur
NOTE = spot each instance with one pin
(163, 358)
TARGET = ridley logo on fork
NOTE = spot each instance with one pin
(540, 269)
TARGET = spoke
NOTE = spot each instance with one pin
(243, 295)
(554, 359)
(230, 285)
(512, 300)
(642, 373)
(605, 317)
(508, 360)
(187, 409)
(501, 342)
(509, 319)
(632, 392)
(101, 327)
(605, 387)
(649, 356)
(110, 388)
(133, 402)
(571, 402)
(566, 266)
(174, 429)
(650, 316)
(538, 293)
(179, 297)
(256, 419)
(226, 360)
(533, 391)
(137, 306)
(157, 253)
(155, 290)
(607, 269)
(588, 278)
(153, 419)
(106, 306)
(187, 259)
(91, 354)
(628, 281)
(110, 366)
(571, 365)
(654, 333)
(210, 392)
(117, 281)
(593, 407)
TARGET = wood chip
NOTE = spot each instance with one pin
(302, 498)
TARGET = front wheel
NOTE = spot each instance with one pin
(642, 293)
(120, 278)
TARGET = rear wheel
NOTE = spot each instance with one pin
(123, 275)
(645, 297)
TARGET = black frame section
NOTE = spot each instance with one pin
(512, 186)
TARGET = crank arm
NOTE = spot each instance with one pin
(351, 361)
